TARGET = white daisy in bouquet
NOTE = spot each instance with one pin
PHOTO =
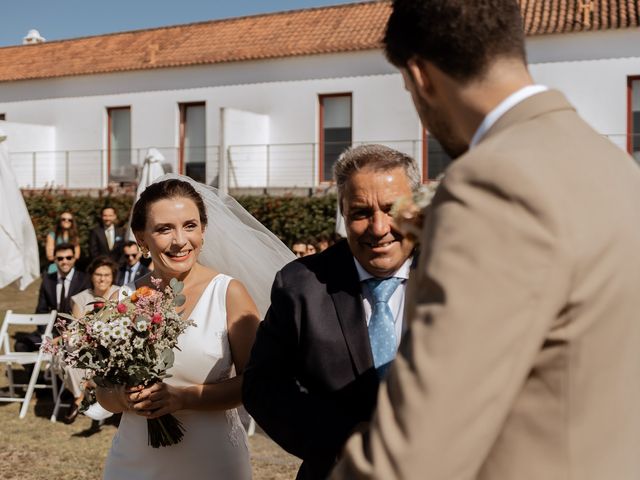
(130, 342)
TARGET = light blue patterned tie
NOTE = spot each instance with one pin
(382, 331)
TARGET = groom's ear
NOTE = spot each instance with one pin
(420, 78)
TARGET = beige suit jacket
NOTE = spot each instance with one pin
(522, 360)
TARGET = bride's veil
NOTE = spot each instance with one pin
(237, 244)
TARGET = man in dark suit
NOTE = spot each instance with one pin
(132, 269)
(107, 239)
(313, 373)
(55, 293)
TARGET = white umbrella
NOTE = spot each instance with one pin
(151, 169)
(19, 259)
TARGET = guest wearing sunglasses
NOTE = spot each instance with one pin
(56, 291)
(65, 232)
(132, 269)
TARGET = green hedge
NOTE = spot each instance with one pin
(289, 218)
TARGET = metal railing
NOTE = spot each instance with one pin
(293, 165)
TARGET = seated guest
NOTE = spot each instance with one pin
(107, 239)
(102, 271)
(312, 247)
(299, 248)
(132, 269)
(324, 241)
(55, 292)
(65, 232)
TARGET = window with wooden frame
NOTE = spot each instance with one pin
(193, 140)
(3, 116)
(119, 142)
(633, 117)
(335, 131)
(434, 159)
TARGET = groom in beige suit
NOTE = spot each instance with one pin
(522, 360)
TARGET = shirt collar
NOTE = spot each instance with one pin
(502, 108)
(402, 272)
(69, 275)
(110, 227)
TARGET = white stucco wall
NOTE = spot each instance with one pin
(590, 68)
(24, 140)
(285, 90)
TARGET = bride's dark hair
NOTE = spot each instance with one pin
(165, 190)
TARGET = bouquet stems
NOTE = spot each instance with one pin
(164, 431)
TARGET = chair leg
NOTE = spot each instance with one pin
(12, 389)
(54, 385)
(30, 388)
(56, 408)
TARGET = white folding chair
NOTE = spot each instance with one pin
(10, 358)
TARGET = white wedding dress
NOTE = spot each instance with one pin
(214, 445)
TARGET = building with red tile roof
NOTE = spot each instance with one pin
(281, 79)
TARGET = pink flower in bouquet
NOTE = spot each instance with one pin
(157, 318)
(122, 308)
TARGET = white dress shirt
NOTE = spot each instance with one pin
(67, 285)
(396, 302)
(502, 108)
(110, 233)
(128, 277)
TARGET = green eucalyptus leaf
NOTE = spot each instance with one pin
(179, 300)
(177, 288)
(173, 282)
(167, 356)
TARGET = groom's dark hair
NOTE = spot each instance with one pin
(461, 37)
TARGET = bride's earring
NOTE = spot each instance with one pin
(145, 252)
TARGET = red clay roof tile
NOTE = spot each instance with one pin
(341, 28)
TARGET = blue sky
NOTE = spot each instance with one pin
(62, 19)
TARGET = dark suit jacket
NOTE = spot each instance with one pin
(98, 243)
(47, 295)
(122, 271)
(310, 379)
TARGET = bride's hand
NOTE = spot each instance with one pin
(156, 400)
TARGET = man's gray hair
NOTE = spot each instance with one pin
(376, 157)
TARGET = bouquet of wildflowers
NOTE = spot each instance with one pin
(130, 342)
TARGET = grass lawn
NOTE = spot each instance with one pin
(35, 449)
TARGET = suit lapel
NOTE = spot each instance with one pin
(51, 289)
(344, 289)
(103, 238)
(76, 284)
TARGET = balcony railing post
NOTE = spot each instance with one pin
(33, 168)
(102, 168)
(268, 165)
(66, 169)
(313, 165)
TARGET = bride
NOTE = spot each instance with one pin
(169, 221)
